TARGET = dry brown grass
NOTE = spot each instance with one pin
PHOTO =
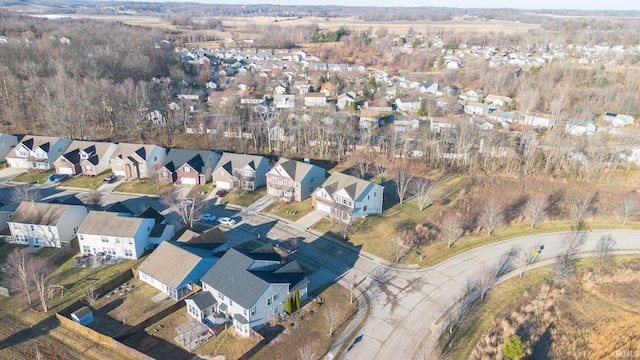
(594, 316)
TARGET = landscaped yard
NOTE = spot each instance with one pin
(313, 328)
(291, 211)
(201, 191)
(34, 176)
(244, 198)
(87, 182)
(145, 187)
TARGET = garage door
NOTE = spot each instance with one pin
(188, 181)
(65, 170)
(119, 173)
(323, 207)
(223, 185)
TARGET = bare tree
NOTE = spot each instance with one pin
(25, 192)
(629, 208)
(380, 166)
(186, 209)
(606, 244)
(19, 262)
(123, 314)
(402, 175)
(491, 217)
(582, 208)
(571, 244)
(41, 270)
(331, 315)
(90, 295)
(425, 191)
(94, 199)
(451, 229)
(361, 160)
(402, 242)
(306, 351)
(536, 209)
(486, 281)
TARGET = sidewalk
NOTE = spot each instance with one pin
(347, 336)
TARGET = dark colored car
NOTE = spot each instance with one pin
(57, 177)
(221, 193)
(109, 179)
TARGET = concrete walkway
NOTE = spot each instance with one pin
(311, 218)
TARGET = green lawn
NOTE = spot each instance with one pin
(34, 176)
(87, 182)
(244, 198)
(145, 187)
(291, 211)
(6, 249)
(201, 191)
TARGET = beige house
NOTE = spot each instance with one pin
(136, 161)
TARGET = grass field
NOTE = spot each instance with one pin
(145, 187)
(244, 198)
(87, 182)
(33, 176)
(291, 211)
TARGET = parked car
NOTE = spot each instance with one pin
(221, 193)
(109, 179)
(226, 221)
(57, 177)
(207, 217)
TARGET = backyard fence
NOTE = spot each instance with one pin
(65, 250)
(149, 321)
(254, 350)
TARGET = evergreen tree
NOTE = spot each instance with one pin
(287, 306)
(297, 299)
(513, 348)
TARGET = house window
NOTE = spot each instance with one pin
(275, 310)
(88, 168)
(105, 239)
(165, 175)
(117, 240)
(311, 181)
(187, 169)
(81, 237)
(230, 303)
(128, 253)
(221, 296)
(63, 160)
(130, 241)
(252, 311)
(244, 312)
(119, 162)
(268, 301)
(155, 158)
(275, 297)
(274, 180)
(32, 227)
(86, 249)
(364, 208)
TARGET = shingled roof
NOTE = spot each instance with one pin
(297, 170)
(351, 184)
(39, 213)
(171, 263)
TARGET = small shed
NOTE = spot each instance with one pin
(84, 315)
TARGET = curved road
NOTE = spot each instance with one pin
(406, 304)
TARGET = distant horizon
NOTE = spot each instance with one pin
(589, 5)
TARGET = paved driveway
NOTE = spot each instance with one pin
(311, 218)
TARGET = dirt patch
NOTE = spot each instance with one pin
(592, 317)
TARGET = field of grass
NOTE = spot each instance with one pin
(502, 298)
(34, 176)
(87, 182)
(145, 187)
(244, 198)
(291, 211)
(201, 191)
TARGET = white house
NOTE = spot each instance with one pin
(45, 224)
(476, 108)
(539, 120)
(497, 100)
(347, 198)
(315, 99)
(405, 124)
(617, 120)
(284, 101)
(7, 142)
(408, 103)
(579, 128)
(37, 152)
(429, 87)
(173, 268)
(251, 286)
(120, 235)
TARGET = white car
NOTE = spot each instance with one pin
(226, 221)
(207, 217)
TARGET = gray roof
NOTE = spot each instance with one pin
(39, 213)
(238, 161)
(232, 275)
(110, 224)
(124, 150)
(170, 264)
(203, 300)
(297, 170)
(352, 185)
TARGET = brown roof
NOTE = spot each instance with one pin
(39, 213)
(170, 264)
(213, 236)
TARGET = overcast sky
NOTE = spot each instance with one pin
(518, 4)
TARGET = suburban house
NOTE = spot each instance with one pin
(136, 161)
(428, 87)
(497, 100)
(173, 268)
(579, 128)
(505, 117)
(539, 120)
(120, 235)
(379, 105)
(409, 103)
(315, 99)
(7, 142)
(45, 224)
(617, 120)
(213, 239)
(345, 100)
(85, 157)
(437, 125)
(284, 101)
(476, 108)
(472, 95)
(189, 167)
(249, 287)
(240, 172)
(37, 152)
(369, 119)
(406, 124)
(347, 198)
(292, 180)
